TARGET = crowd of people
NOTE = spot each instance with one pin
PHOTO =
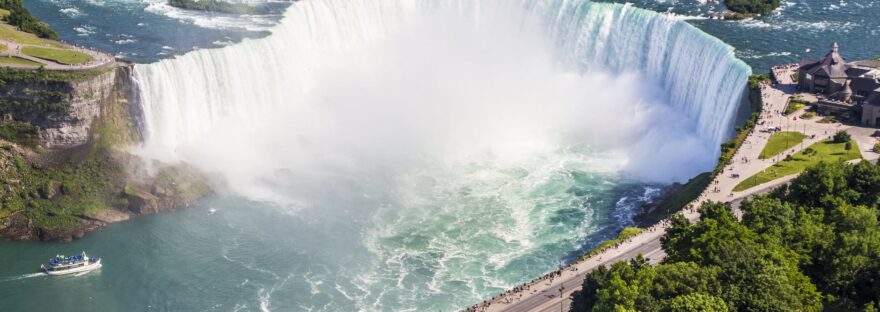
(690, 211)
(515, 293)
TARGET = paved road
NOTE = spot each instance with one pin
(544, 295)
(651, 250)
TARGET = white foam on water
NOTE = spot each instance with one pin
(72, 12)
(493, 128)
(24, 276)
(212, 19)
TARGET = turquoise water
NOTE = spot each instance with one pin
(779, 38)
(345, 252)
(437, 237)
(784, 35)
(147, 30)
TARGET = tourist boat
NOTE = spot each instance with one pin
(61, 265)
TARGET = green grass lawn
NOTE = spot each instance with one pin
(8, 32)
(17, 61)
(781, 141)
(58, 55)
(821, 151)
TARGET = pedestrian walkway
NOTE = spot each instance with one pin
(13, 49)
(552, 292)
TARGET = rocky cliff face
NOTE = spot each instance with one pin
(64, 111)
(84, 102)
(65, 166)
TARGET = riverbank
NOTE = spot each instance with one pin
(553, 293)
(65, 166)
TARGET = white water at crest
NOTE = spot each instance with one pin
(199, 105)
(459, 146)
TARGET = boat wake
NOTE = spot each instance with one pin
(23, 276)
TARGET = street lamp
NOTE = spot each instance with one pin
(561, 300)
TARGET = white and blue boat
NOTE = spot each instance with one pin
(61, 265)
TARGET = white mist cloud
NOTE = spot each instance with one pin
(443, 86)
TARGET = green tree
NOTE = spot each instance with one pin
(21, 18)
(810, 245)
(696, 302)
(842, 137)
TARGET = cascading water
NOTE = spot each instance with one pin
(441, 151)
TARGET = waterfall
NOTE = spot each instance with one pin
(698, 71)
(438, 151)
(227, 94)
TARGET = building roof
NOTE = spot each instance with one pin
(862, 84)
(868, 63)
(857, 71)
(832, 65)
(873, 99)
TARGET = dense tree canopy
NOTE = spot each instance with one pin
(811, 245)
(21, 18)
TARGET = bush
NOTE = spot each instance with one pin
(20, 132)
(752, 6)
(21, 18)
(842, 137)
(808, 115)
(215, 6)
(848, 146)
(828, 119)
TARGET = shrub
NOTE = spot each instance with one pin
(848, 146)
(21, 18)
(828, 119)
(215, 6)
(20, 132)
(752, 6)
(842, 137)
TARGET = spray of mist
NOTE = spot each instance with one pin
(385, 86)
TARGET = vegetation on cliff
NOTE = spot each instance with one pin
(42, 75)
(679, 196)
(214, 6)
(763, 7)
(59, 194)
(626, 233)
(807, 246)
(20, 17)
(729, 148)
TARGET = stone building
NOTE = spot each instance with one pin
(842, 86)
(871, 109)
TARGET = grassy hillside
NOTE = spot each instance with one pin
(19, 17)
